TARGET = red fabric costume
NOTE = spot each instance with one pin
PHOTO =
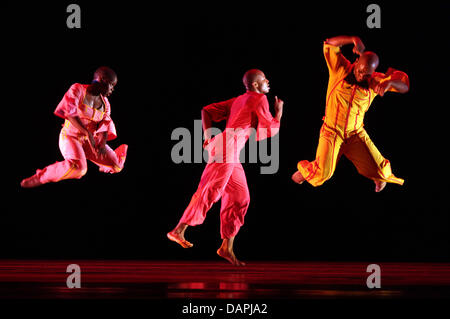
(224, 176)
(75, 146)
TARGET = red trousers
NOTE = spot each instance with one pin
(224, 181)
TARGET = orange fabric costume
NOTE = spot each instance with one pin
(342, 131)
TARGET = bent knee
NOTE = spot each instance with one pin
(214, 194)
(244, 201)
(79, 169)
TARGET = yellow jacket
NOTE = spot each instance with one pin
(346, 102)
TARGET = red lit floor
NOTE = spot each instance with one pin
(26, 279)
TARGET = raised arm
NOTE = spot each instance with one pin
(279, 103)
(267, 125)
(345, 39)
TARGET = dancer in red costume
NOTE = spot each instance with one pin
(87, 127)
(224, 177)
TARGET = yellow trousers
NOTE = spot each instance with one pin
(357, 147)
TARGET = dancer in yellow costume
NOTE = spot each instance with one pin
(351, 90)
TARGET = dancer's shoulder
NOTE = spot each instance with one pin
(78, 87)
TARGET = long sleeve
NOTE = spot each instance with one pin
(391, 74)
(69, 104)
(397, 75)
(267, 125)
(219, 111)
(336, 61)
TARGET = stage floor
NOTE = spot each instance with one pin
(113, 279)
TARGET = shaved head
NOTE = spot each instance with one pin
(105, 73)
(105, 79)
(255, 80)
(251, 76)
(370, 58)
(365, 65)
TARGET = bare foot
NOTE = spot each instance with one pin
(230, 257)
(179, 239)
(379, 186)
(298, 177)
(31, 182)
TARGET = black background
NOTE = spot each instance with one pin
(173, 60)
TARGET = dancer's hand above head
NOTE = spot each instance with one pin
(359, 46)
(359, 51)
(341, 40)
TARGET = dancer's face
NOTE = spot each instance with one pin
(107, 86)
(262, 84)
(362, 71)
(365, 65)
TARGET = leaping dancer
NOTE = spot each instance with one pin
(351, 90)
(87, 127)
(224, 175)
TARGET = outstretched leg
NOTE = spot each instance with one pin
(74, 165)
